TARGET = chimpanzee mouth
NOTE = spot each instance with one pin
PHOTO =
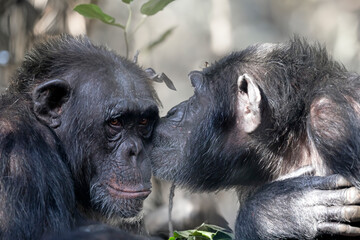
(129, 193)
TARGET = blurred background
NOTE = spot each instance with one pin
(205, 30)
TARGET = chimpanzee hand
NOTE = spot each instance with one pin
(301, 208)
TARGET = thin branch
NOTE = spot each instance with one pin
(143, 19)
(127, 26)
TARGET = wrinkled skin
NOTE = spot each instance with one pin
(256, 116)
(301, 208)
(76, 126)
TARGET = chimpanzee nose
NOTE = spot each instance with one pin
(131, 149)
(176, 114)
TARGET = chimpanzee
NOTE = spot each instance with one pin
(75, 129)
(257, 115)
(76, 124)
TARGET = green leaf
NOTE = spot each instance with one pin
(208, 235)
(127, 1)
(162, 38)
(221, 233)
(153, 6)
(211, 228)
(94, 11)
(194, 234)
(183, 234)
(204, 232)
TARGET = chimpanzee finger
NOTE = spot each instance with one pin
(340, 213)
(338, 229)
(345, 196)
(330, 182)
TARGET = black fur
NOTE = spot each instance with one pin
(36, 188)
(61, 158)
(309, 108)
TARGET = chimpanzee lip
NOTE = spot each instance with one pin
(129, 193)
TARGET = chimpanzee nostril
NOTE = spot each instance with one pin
(132, 153)
(131, 148)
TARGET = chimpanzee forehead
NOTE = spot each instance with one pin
(135, 106)
(132, 85)
(128, 90)
(116, 83)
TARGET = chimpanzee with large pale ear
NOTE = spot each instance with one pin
(256, 116)
(75, 129)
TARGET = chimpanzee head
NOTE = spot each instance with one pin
(103, 109)
(206, 142)
(247, 122)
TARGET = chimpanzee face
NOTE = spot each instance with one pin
(111, 117)
(208, 132)
(100, 109)
(174, 131)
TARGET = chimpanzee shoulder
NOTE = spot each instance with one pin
(25, 179)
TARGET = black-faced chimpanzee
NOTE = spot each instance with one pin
(259, 114)
(75, 127)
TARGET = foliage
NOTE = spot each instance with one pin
(204, 232)
(149, 8)
(94, 11)
(154, 6)
(160, 39)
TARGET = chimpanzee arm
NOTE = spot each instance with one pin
(300, 208)
(334, 126)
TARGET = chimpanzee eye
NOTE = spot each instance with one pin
(115, 122)
(144, 121)
(145, 127)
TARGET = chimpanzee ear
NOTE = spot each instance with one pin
(48, 99)
(196, 78)
(249, 99)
